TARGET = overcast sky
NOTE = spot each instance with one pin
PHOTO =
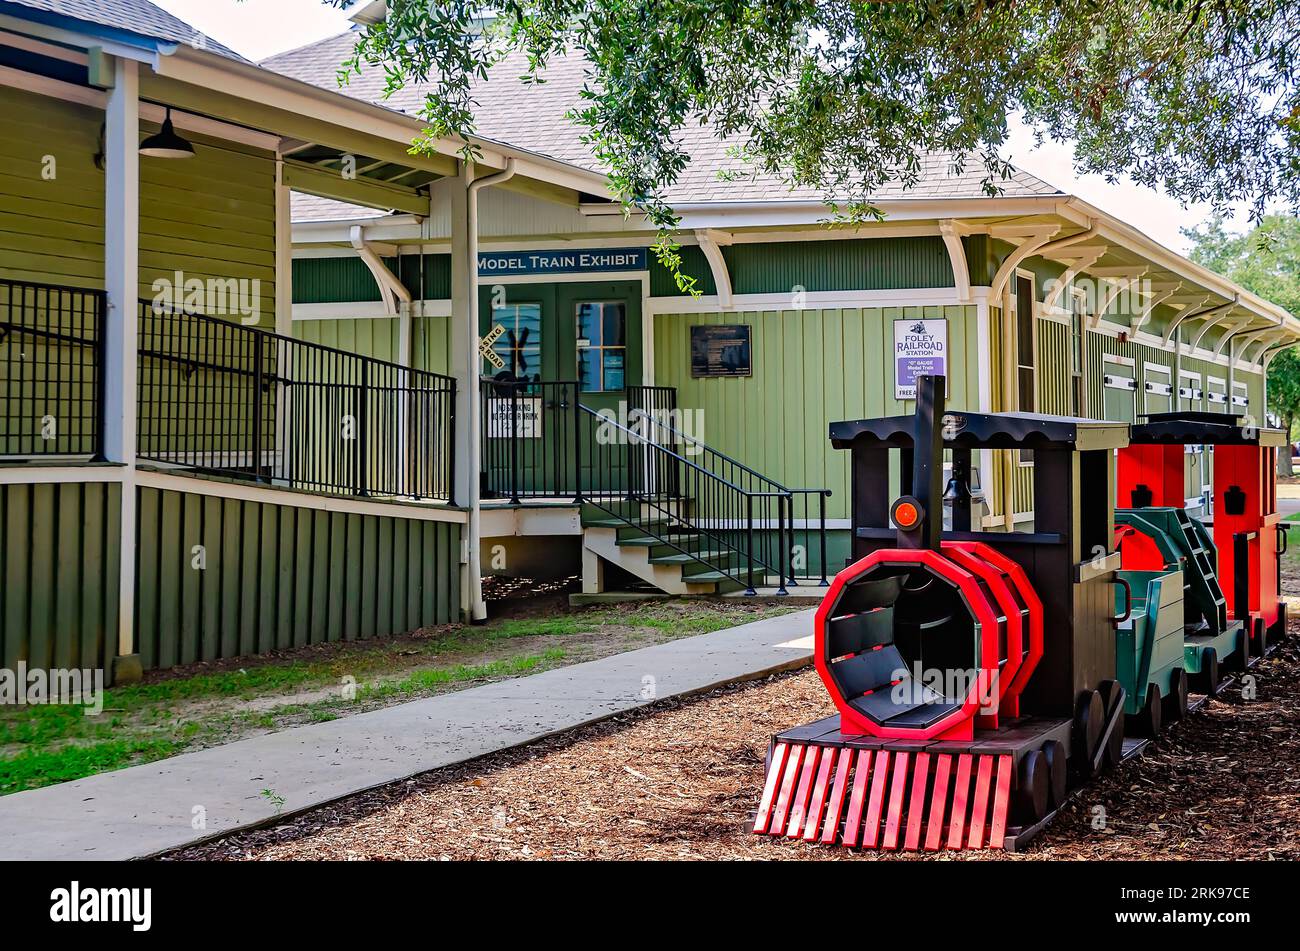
(259, 28)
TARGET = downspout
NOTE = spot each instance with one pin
(473, 450)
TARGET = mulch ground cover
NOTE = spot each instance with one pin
(677, 780)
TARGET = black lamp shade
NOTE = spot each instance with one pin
(166, 143)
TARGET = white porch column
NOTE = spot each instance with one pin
(283, 253)
(122, 284)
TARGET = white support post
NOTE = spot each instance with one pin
(283, 253)
(122, 285)
(283, 308)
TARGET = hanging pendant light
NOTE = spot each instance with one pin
(166, 143)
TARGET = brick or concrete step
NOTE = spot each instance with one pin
(634, 558)
(686, 559)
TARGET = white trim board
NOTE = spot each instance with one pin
(198, 485)
(367, 310)
(812, 300)
(98, 99)
(39, 474)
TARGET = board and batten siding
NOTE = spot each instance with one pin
(820, 265)
(211, 216)
(378, 337)
(279, 576)
(274, 576)
(59, 574)
(811, 367)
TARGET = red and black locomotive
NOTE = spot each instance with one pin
(978, 676)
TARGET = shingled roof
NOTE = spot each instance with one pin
(132, 16)
(533, 117)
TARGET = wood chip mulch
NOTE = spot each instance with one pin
(677, 780)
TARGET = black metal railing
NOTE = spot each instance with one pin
(639, 464)
(528, 432)
(51, 376)
(717, 523)
(799, 523)
(220, 397)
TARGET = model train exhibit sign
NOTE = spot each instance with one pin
(980, 678)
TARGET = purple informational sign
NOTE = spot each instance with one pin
(920, 349)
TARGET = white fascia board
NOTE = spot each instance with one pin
(1125, 234)
(98, 99)
(247, 81)
(46, 31)
(815, 300)
(368, 310)
(727, 215)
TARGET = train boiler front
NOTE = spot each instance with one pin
(973, 673)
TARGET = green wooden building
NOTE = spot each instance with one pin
(268, 379)
(1039, 302)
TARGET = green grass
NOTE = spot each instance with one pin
(34, 768)
(140, 723)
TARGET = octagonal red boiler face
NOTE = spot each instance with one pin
(955, 723)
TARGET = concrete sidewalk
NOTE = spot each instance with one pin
(148, 809)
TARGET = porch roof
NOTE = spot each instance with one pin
(318, 127)
(942, 199)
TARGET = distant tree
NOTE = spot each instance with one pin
(1200, 96)
(1265, 260)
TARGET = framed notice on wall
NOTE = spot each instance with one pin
(721, 350)
(920, 349)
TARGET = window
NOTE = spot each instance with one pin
(1157, 388)
(520, 346)
(1119, 384)
(1025, 362)
(602, 345)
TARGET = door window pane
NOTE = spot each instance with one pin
(521, 344)
(602, 345)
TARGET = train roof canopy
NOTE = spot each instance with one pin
(1191, 428)
(986, 431)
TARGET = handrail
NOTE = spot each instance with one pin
(731, 530)
(273, 335)
(638, 438)
(219, 396)
(641, 414)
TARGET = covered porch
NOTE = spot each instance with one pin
(181, 478)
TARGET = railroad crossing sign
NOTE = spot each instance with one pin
(485, 346)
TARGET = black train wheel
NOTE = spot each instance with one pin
(1150, 719)
(1033, 789)
(1207, 681)
(1176, 701)
(1241, 656)
(1259, 642)
(1089, 719)
(1057, 771)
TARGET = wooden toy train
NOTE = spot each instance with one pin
(981, 677)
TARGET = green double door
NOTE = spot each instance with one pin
(556, 343)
